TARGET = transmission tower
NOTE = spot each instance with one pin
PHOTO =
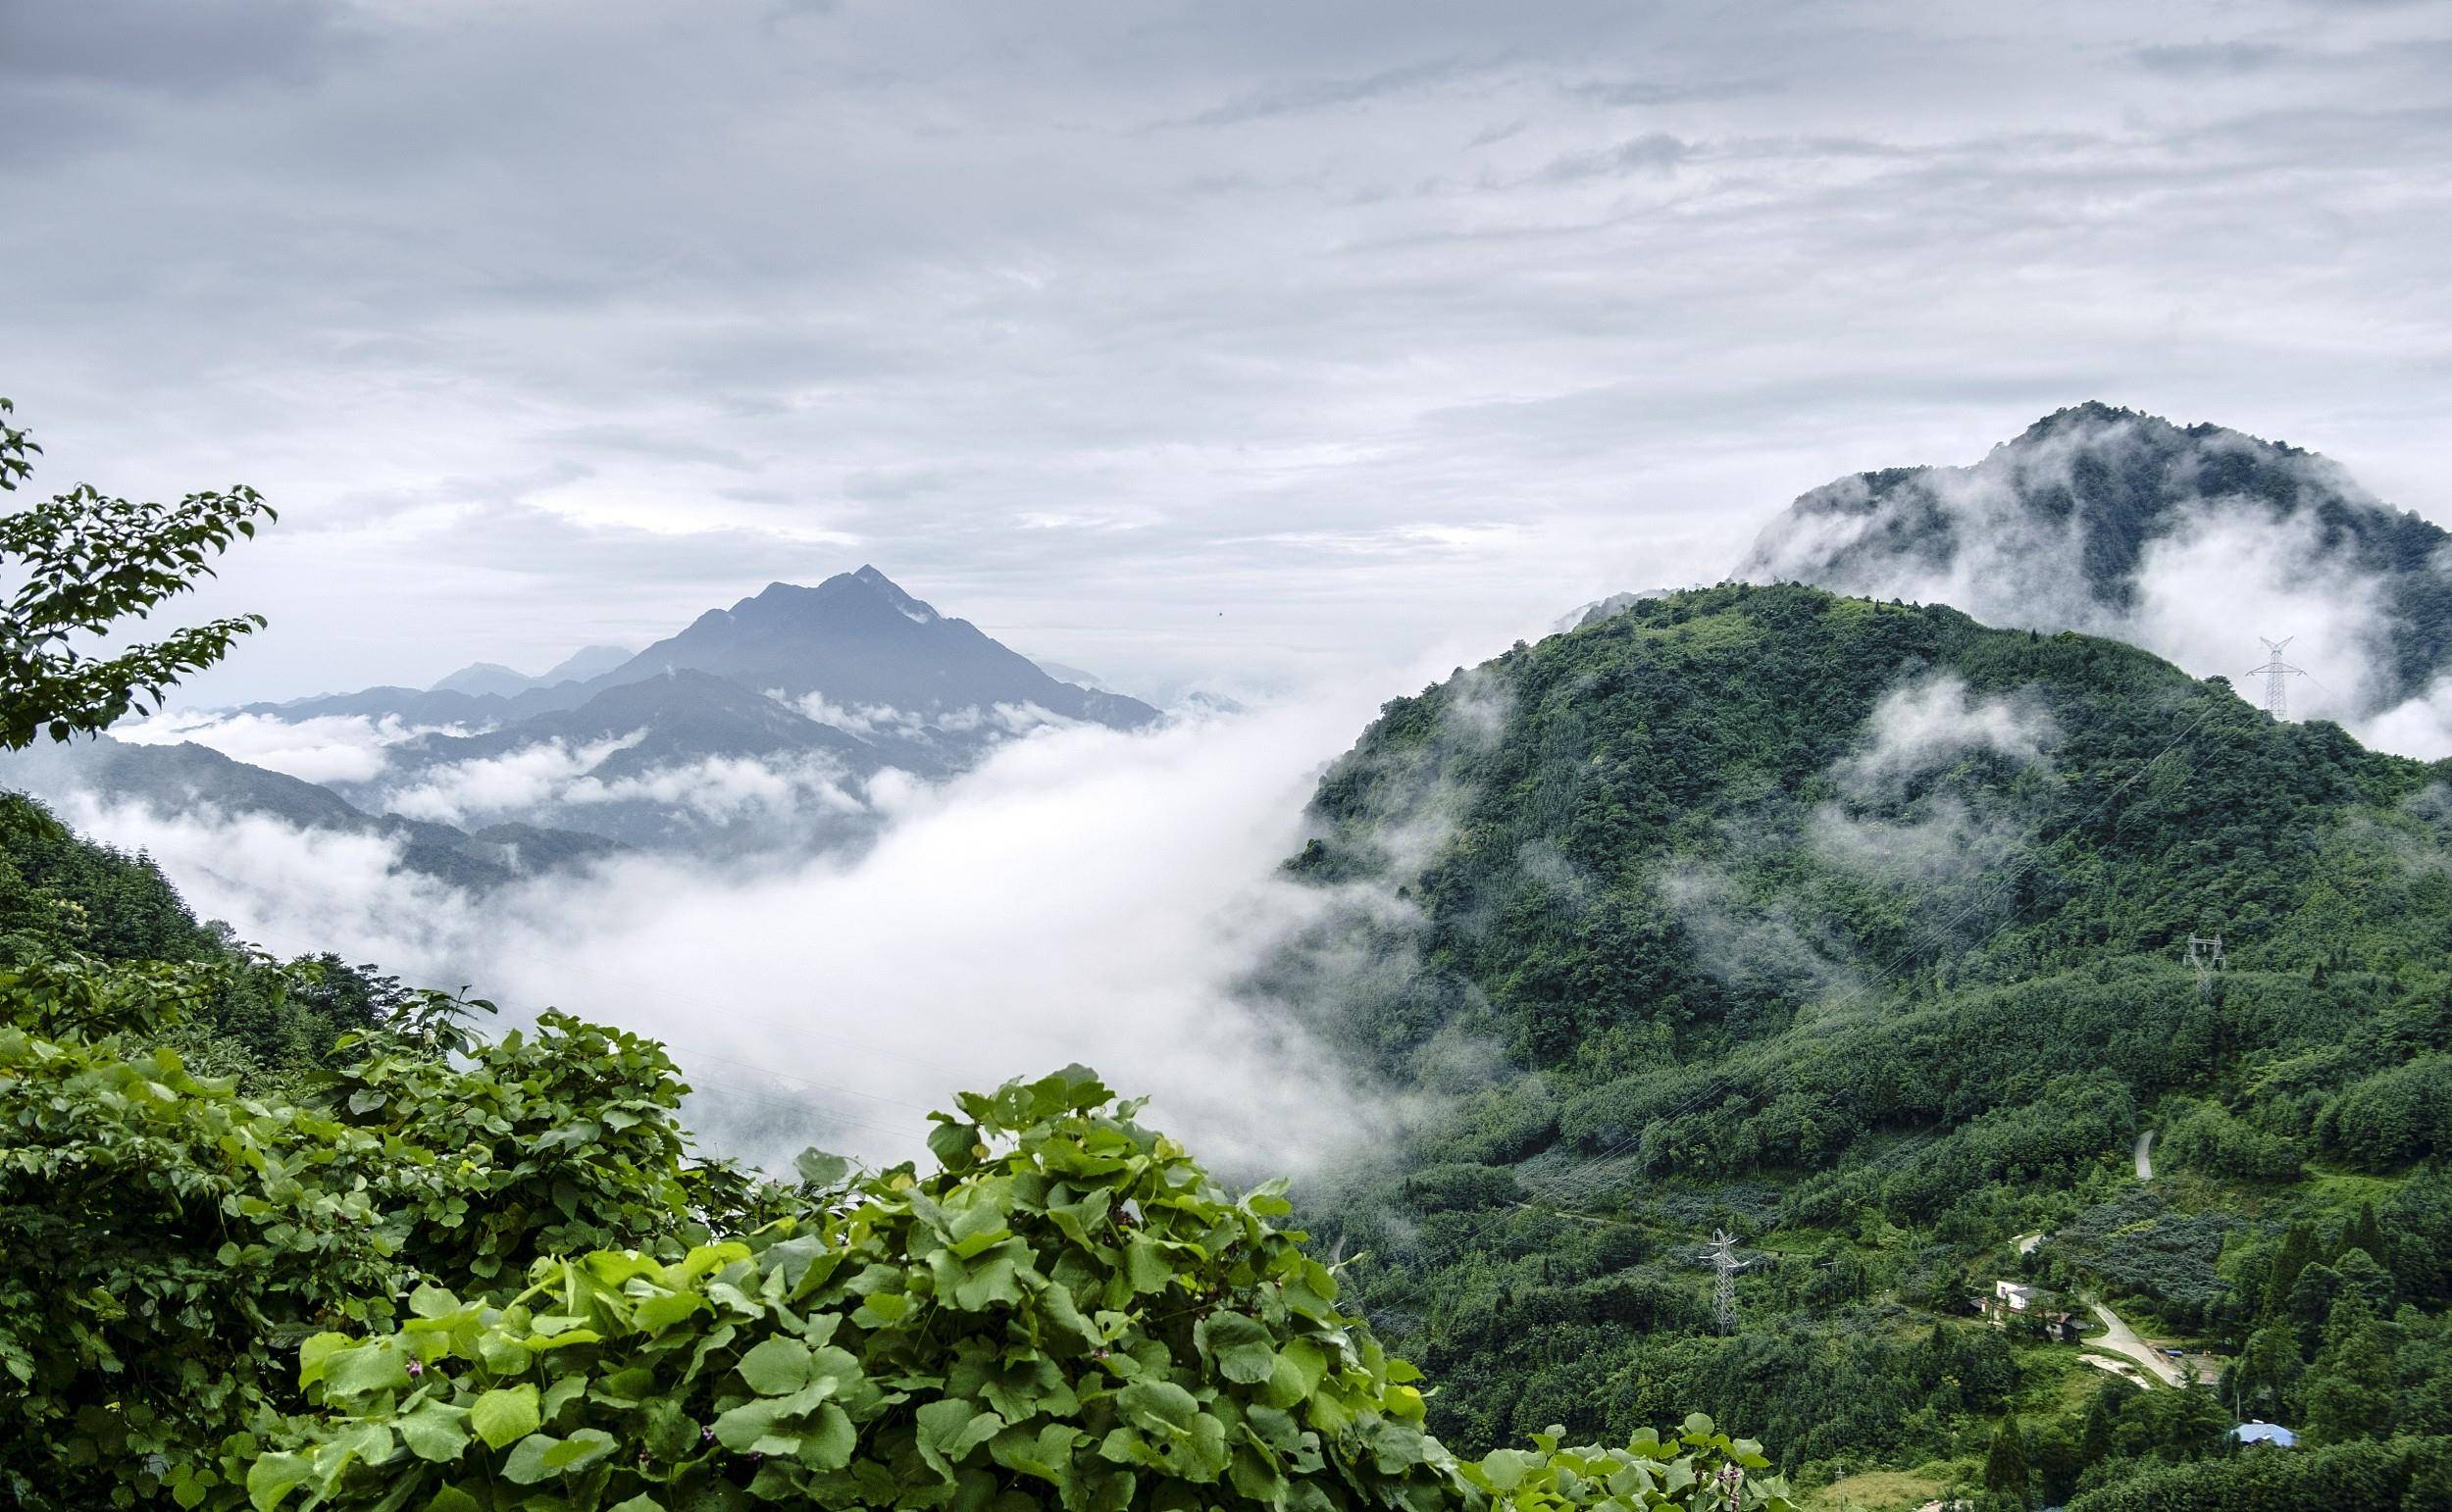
(2277, 674)
(1722, 1258)
(2205, 953)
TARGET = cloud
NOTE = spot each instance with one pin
(1930, 723)
(725, 789)
(1926, 801)
(327, 748)
(522, 780)
(524, 369)
(1084, 895)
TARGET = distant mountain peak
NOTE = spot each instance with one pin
(479, 679)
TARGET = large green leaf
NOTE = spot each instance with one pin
(777, 1367)
(505, 1415)
(1238, 1346)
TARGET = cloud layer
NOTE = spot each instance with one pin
(1084, 896)
(1157, 340)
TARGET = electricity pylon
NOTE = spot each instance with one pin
(2205, 953)
(2276, 672)
(1722, 1258)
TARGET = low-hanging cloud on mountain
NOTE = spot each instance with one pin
(2193, 542)
(321, 748)
(1083, 895)
(1919, 805)
(520, 782)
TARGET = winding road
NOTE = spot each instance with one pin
(2145, 1156)
(2121, 1340)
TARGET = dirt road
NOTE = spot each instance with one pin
(2119, 1338)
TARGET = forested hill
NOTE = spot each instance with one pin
(2099, 519)
(1862, 930)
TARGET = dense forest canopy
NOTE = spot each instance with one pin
(1863, 931)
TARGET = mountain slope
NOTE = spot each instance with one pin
(484, 678)
(183, 779)
(2190, 540)
(677, 716)
(1861, 930)
(682, 760)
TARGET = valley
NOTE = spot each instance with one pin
(1754, 1000)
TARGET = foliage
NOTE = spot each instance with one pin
(81, 563)
(2370, 1475)
(1068, 1310)
(1880, 985)
(169, 1238)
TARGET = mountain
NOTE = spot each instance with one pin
(685, 759)
(1073, 675)
(2189, 540)
(185, 779)
(755, 728)
(860, 642)
(483, 678)
(1865, 932)
(860, 652)
(584, 665)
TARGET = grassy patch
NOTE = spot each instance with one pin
(1876, 1491)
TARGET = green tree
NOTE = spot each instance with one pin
(2298, 1251)
(2098, 1438)
(2350, 1389)
(81, 563)
(2005, 1468)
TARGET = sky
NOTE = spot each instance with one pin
(1243, 345)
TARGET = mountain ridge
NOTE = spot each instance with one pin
(2113, 521)
(1860, 931)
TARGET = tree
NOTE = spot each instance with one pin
(2098, 1439)
(2259, 1383)
(83, 562)
(2005, 1468)
(2350, 1389)
(2298, 1251)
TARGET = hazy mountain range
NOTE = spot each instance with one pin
(757, 726)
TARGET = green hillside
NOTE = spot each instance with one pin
(1861, 930)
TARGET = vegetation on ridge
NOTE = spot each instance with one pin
(1861, 930)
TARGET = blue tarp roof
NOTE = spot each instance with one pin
(2264, 1433)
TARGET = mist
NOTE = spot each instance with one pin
(1083, 895)
(2000, 540)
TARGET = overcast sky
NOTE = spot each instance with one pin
(1235, 342)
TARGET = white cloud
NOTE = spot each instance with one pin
(720, 788)
(327, 748)
(1083, 895)
(514, 783)
(1931, 721)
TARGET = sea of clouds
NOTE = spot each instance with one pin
(1083, 895)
